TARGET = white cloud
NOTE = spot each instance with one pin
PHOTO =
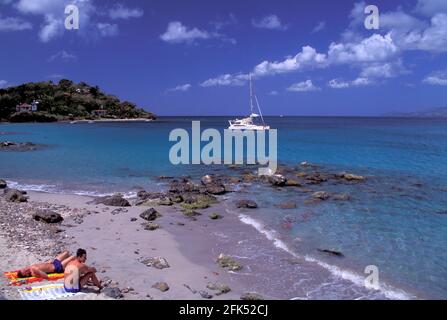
(342, 84)
(437, 78)
(183, 87)
(53, 13)
(304, 86)
(319, 27)
(373, 49)
(274, 93)
(226, 80)
(383, 69)
(40, 7)
(407, 31)
(271, 22)
(107, 29)
(431, 7)
(121, 12)
(14, 24)
(3, 84)
(63, 56)
(308, 57)
(52, 28)
(338, 84)
(433, 39)
(376, 56)
(178, 33)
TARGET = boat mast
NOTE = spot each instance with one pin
(251, 97)
(253, 94)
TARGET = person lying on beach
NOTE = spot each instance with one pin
(78, 274)
(42, 270)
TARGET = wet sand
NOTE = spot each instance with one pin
(115, 244)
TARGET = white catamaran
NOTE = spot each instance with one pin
(250, 122)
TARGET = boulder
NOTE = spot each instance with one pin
(277, 180)
(165, 201)
(162, 286)
(151, 226)
(19, 146)
(205, 295)
(219, 287)
(250, 296)
(156, 262)
(292, 183)
(234, 180)
(228, 263)
(183, 186)
(249, 204)
(216, 188)
(14, 195)
(47, 216)
(215, 216)
(213, 185)
(150, 214)
(351, 177)
(321, 195)
(3, 184)
(112, 292)
(116, 200)
(207, 179)
(316, 178)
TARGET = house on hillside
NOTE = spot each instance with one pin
(99, 113)
(25, 107)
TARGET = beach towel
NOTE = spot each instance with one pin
(15, 281)
(46, 292)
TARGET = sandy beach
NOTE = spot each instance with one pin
(116, 245)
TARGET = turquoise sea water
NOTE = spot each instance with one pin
(397, 220)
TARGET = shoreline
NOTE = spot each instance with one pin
(116, 245)
(109, 250)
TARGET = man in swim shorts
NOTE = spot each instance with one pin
(78, 274)
(42, 270)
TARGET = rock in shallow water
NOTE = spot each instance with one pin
(321, 195)
(249, 204)
(3, 184)
(116, 200)
(228, 263)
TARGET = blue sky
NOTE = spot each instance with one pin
(194, 57)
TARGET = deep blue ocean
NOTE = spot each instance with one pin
(396, 220)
